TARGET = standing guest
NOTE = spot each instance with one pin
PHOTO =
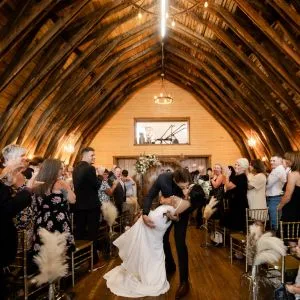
(275, 183)
(257, 185)
(11, 203)
(106, 190)
(173, 184)
(52, 198)
(15, 155)
(287, 161)
(217, 185)
(87, 207)
(236, 219)
(130, 187)
(129, 184)
(290, 201)
(119, 193)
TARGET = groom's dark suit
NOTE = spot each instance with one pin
(166, 185)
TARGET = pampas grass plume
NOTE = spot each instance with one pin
(210, 208)
(51, 258)
(109, 212)
(269, 249)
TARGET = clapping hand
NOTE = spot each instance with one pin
(227, 172)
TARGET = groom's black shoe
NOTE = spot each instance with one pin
(183, 290)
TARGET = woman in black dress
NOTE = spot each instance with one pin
(290, 201)
(51, 203)
(236, 219)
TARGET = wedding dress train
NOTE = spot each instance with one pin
(142, 272)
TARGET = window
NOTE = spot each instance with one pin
(168, 131)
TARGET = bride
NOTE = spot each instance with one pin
(143, 272)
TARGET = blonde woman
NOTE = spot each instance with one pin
(257, 185)
(239, 185)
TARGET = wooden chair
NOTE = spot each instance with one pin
(289, 232)
(82, 253)
(20, 266)
(238, 241)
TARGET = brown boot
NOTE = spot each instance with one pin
(183, 290)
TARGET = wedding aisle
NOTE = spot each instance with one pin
(211, 275)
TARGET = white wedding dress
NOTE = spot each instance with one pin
(142, 272)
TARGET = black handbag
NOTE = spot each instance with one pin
(281, 293)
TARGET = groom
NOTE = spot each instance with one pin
(170, 184)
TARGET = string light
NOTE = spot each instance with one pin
(140, 16)
(251, 141)
(205, 4)
(69, 148)
(173, 23)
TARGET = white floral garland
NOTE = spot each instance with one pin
(146, 161)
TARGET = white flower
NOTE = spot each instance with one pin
(144, 162)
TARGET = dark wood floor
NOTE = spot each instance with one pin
(212, 277)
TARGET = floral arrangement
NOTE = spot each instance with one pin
(205, 184)
(146, 161)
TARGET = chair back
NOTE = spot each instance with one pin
(253, 215)
(289, 231)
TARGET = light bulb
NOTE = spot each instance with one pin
(140, 15)
(205, 4)
(173, 23)
(251, 142)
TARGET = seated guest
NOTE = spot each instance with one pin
(51, 199)
(257, 185)
(236, 218)
(290, 201)
(12, 201)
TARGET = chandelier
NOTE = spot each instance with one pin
(163, 97)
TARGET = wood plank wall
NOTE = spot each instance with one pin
(207, 136)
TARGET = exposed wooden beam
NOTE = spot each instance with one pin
(25, 24)
(45, 40)
(273, 85)
(266, 28)
(87, 94)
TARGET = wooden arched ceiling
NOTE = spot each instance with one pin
(67, 66)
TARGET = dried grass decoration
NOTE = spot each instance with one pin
(51, 259)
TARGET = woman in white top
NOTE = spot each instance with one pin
(257, 185)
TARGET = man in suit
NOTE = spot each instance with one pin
(87, 207)
(170, 184)
(119, 193)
